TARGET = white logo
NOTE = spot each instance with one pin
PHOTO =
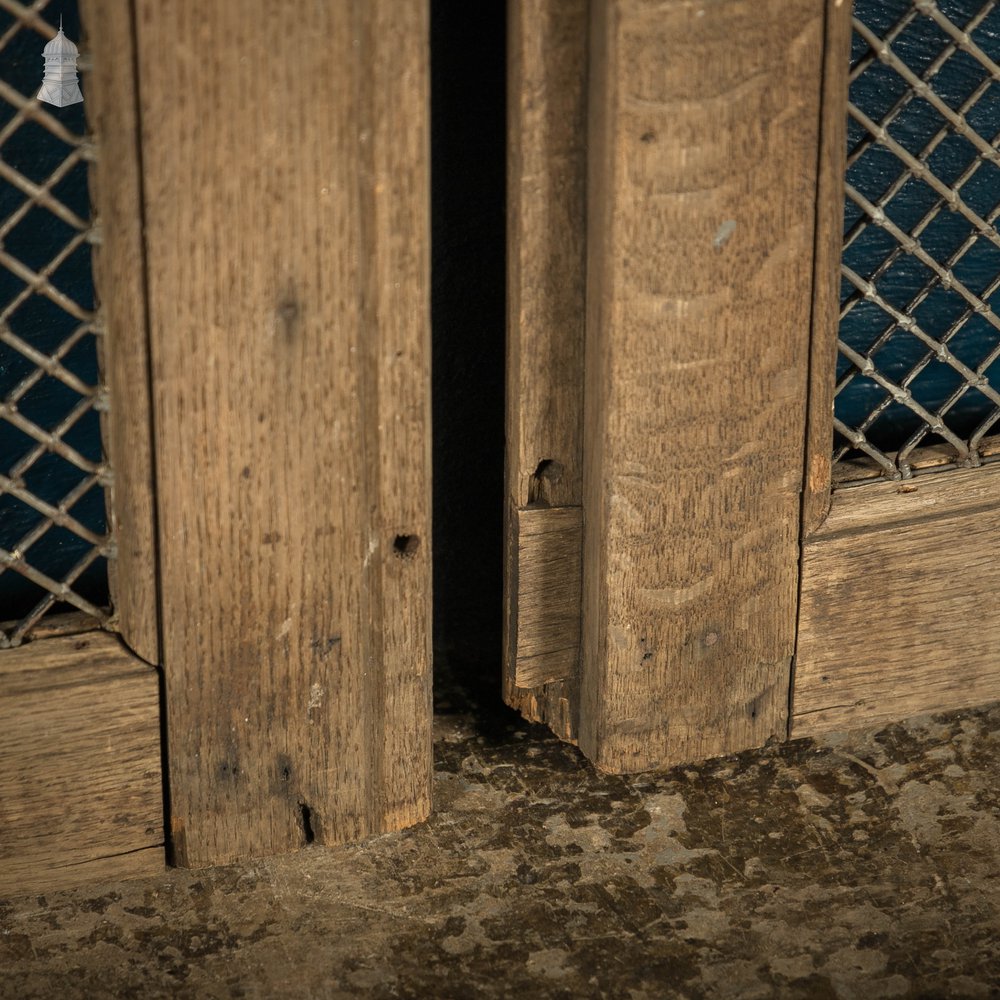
(59, 85)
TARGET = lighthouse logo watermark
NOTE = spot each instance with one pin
(60, 85)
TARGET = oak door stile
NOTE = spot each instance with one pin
(287, 226)
(547, 65)
(703, 144)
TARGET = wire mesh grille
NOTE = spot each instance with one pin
(919, 334)
(54, 540)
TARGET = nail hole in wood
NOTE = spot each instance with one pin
(405, 546)
(307, 830)
(288, 315)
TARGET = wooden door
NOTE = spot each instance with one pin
(260, 184)
(899, 612)
(80, 765)
(689, 572)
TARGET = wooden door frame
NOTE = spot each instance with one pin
(285, 597)
(81, 789)
(727, 586)
(696, 310)
(897, 608)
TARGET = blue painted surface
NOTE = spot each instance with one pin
(35, 153)
(875, 92)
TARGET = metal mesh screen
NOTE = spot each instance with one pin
(53, 532)
(919, 334)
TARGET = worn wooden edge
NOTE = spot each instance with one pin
(826, 264)
(890, 505)
(554, 704)
(398, 417)
(536, 669)
(861, 469)
(119, 278)
(546, 236)
(511, 583)
(900, 609)
(80, 770)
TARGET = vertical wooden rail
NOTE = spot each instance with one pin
(119, 279)
(703, 144)
(286, 199)
(826, 266)
(547, 72)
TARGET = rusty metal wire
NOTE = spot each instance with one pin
(919, 332)
(53, 535)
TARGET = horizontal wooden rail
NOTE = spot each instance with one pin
(80, 781)
(900, 608)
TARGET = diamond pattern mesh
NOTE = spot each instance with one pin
(54, 541)
(919, 334)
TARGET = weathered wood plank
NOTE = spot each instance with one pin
(826, 265)
(547, 59)
(119, 279)
(286, 180)
(900, 605)
(80, 786)
(548, 607)
(546, 222)
(703, 170)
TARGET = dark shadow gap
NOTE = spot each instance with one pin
(468, 171)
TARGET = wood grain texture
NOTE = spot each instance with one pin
(546, 231)
(119, 279)
(548, 607)
(547, 72)
(826, 265)
(80, 788)
(703, 145)
(286, 178)
(900, 605)
(900, 609)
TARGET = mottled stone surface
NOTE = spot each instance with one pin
(859, 866)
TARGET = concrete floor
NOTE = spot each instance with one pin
(864, 865)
